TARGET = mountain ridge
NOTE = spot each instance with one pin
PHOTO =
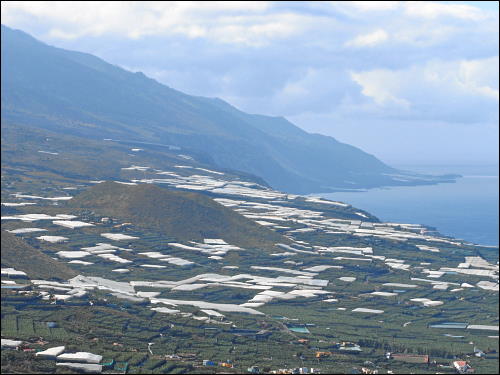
(80, 94)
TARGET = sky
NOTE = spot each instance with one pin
(410, 82)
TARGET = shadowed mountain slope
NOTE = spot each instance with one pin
(25, 147)
(81, 95)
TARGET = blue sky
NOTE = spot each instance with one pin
(410, 82)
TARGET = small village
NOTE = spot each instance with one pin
(93, 363)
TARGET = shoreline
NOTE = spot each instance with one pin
(467, 209)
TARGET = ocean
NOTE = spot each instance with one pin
(467, 209)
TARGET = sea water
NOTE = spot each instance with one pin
(466, 209)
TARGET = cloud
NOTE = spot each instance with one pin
(374, 5)
(479, 76)
(382, 86)
(249, 23)
(368, 40)
(450, 91)
(244, 22)
(419, 9)
(429, 9)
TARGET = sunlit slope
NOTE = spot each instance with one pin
(17, 254)
(182, 215)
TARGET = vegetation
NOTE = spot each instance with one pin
(23, 257)
(183, 215)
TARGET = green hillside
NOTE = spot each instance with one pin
(19, 255)
(183, 215)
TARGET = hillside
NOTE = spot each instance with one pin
(183, 215)
(29, 148)
(17, 254)
(342, 277)
(78, 94)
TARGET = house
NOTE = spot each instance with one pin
(349, 347)
(463, 367)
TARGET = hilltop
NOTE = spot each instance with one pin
(183, 215)
(16, 253)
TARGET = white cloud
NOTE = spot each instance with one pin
(369, 40)
(257, 30)
(442, 90)
(246, 23)
(374, 5)
(226, 22)
(382, 86)
(430, 9)
(420, 9)
(359, 8)
(480, 76)
(425, 35)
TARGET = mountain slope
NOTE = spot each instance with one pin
(26, 147)
(19, 255)
(81, 95)
(182, 215)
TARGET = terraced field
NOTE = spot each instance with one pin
(333, 269)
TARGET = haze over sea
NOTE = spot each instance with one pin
(467, 209)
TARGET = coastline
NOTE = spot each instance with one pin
(466, 209)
